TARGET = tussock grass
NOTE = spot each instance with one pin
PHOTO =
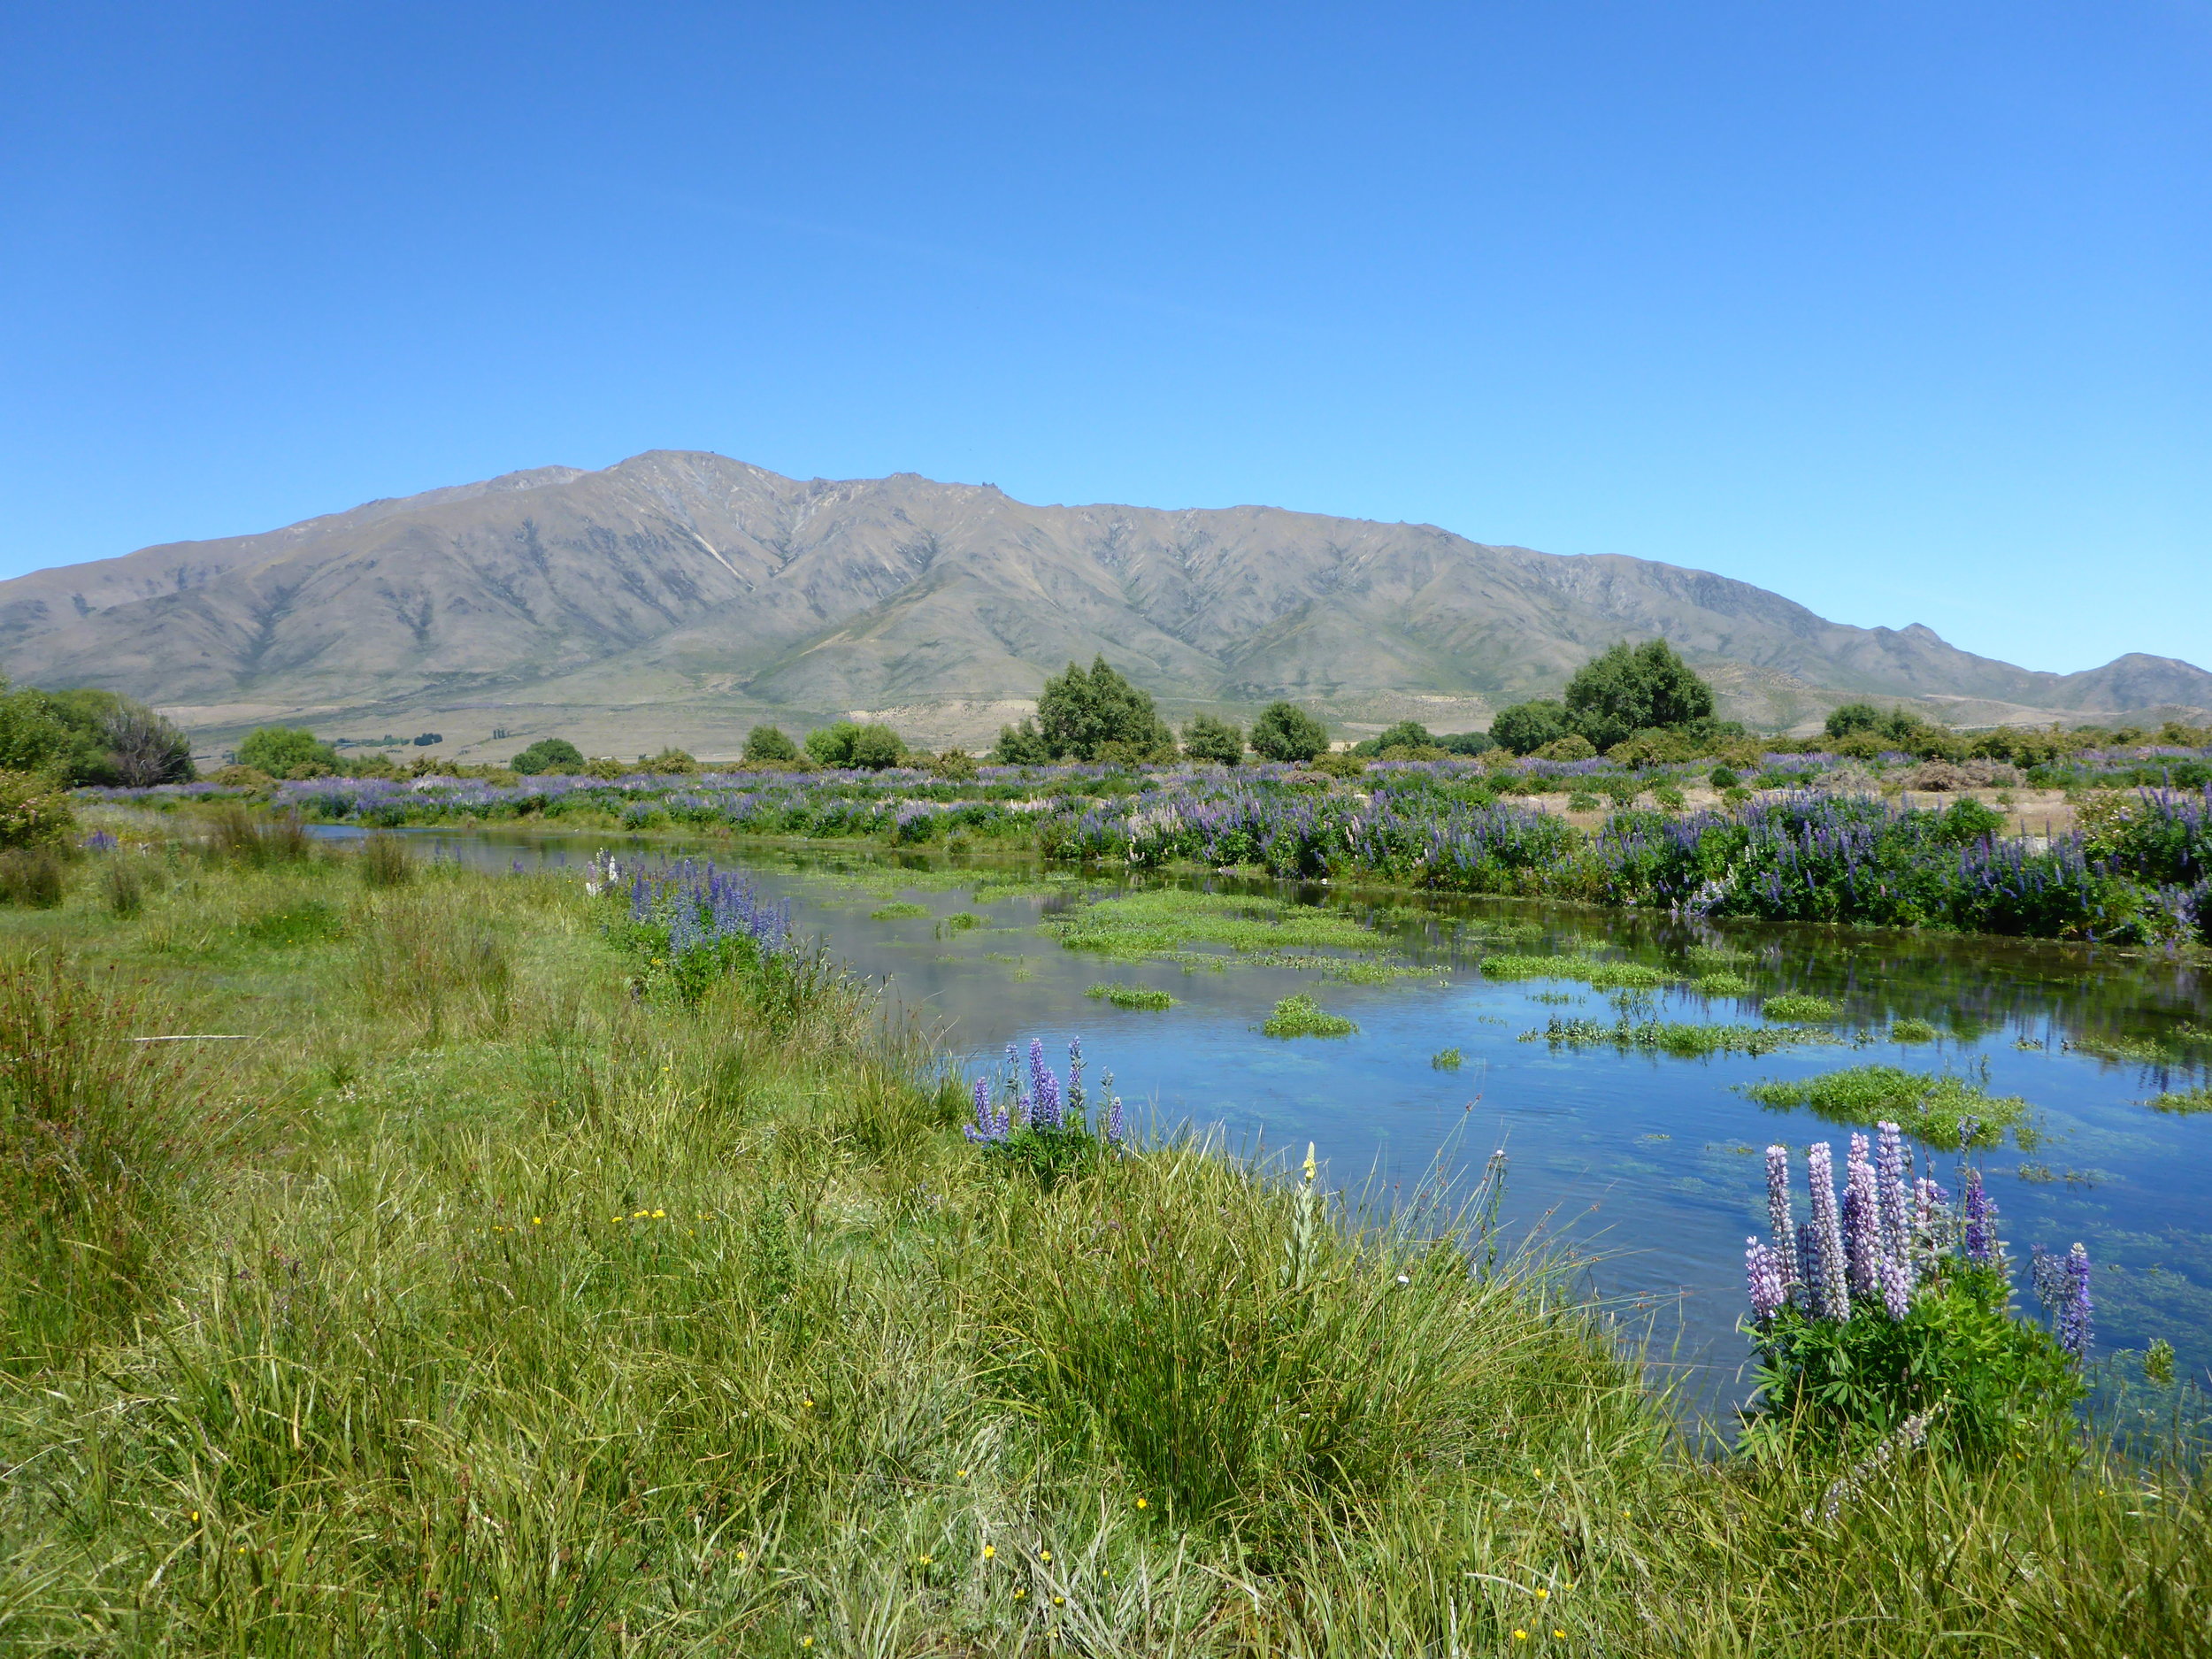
(1797, 1006)
(570, 1321)
(1131, 995)
(1604, 976)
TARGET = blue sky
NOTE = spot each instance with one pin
(1904, 311)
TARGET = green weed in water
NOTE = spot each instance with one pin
(1679, 1038)
(1447, 1060)
(1794, 1005)
(1910, 1030)
(1131, 995)
(904, 908)
(1632, 976)
(2183, 1103)
(1723, 984)
(1161, 922)
(1300, 1016)
(1928, 1105)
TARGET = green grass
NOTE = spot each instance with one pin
(1927, 1105)
(1165, 922)
(2183, 1103)
(1794, 1005)
(899, 912)
(1723, 984)
(1682, 1039)
(1131, 995)
(1910, 1030)
(1632, 976)
(481, 1306)
(1300, 1016)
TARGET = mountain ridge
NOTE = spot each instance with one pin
(685, 580)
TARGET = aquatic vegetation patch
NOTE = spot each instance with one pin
(1722, 984)
(1300, 1016)
(1674, 1037)
(1131, 995)
(1793, 1005)
(1910, 1030)
(1931, 1106)
(1165, 921)
(899, 911)
(1633, 976)
(961, 921)
(1447, 1060)
(2183, 1103)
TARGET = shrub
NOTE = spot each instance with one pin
(676, 761)
(955, 766)
(1468, 743)
(281, 750)
(1574, 746)
(1285, 732)
(547, 755)
(1723, 777)
(1526, 727)
(1339, 763)
(1079, 713)
(1022, 745)
(1634, 688)
(33, 876)
(33, 812)
(870, 747)
(1205, 738)
(769, 743)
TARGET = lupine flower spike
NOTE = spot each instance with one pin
(1763, 1276)
(1833, 1295)
(1781, 1227)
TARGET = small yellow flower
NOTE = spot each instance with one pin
(196, 1515)
(662, 1214)
(922, 1560)
(1520, 1635)
(637, 1215)
(1559, 1633)
(1542, 1594)
(809, 1404)
(1019, 1594)
(1141, 1503)
(960, 1474)
(1059, 1601)
(1539, 1474)
(990, 1552)
(1044, 1554)
(806, 1641)
(537, 1221)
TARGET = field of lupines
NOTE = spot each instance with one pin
(500, 1284)
(1803, 850)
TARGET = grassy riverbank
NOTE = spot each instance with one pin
(477, 1302)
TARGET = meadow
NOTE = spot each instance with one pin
(1808, 837)
(492, 1265)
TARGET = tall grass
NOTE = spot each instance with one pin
(548, 1317)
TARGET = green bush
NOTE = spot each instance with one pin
(766, 743)
(1205, 738)
(547, 755)
(1632, 688)
(282, 751)
(1022, 745)
(1080, 714)
(1525, 727)
(846, 743)
(33, 812)
(1285, 732)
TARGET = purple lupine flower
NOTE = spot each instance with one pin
(1808, 1242)
(1931, 1220)
(1077, 1114)
(1113, 1110)
(1862, 1222)
(2074, 1322)
(1780, 1225)
(1896, 1285)
(1762, 1276)
(1044, 1087)
(1018, 1104)
(1968, 1127)
(1889, 1185)
(989, 1125)
(1981, 1220)
(1832, 1294)
(2047, 1273)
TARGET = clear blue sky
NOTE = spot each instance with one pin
(1904, 310)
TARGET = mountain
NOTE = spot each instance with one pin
(682, 596)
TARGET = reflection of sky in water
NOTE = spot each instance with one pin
(1648, 1162)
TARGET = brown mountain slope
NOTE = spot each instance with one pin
(683, 579)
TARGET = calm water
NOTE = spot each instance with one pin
(1649, 1163)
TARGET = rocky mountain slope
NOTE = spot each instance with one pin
(708, 593)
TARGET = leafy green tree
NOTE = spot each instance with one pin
(31, 738)
(1079, 714)
(1285, 732)
(1526, 727)
(547, 755)
(1466, 743)
(281, 750)
(1634, 688)
(1854, 716)
(769, 743)
(1405, 735)
(143, 749)
(1205, 738)
(847, 743)
(1022, 745)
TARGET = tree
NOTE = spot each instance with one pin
(869, 748)
(1022, 745)
(1854, 716)
(145, 750)
(1526, 727)
(281, 750)
(1466, 743)
(1079, 714)
(31, 738)
(1285, 732)
(769, 743)
(1205, 738)
(548, 754)
(1634, 688)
